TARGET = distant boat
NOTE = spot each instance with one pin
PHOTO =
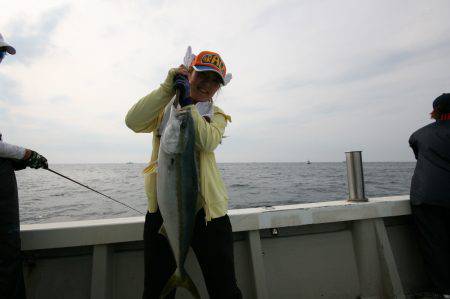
(308, 162)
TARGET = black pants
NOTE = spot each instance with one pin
(213, 247)
(433, 231)
(11, 277)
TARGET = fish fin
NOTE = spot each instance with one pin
(162, 231)
(178, 281)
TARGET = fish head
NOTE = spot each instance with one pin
(176, 134)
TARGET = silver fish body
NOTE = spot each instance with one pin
(177, 192)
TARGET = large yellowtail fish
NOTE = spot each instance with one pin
(177, 190)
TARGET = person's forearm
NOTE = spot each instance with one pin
(143, 116)
(11, 151)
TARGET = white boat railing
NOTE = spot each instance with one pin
(372, 248)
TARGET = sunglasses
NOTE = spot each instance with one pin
(2, 54)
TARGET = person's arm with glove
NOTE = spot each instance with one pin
(22, 157)
(31, 159)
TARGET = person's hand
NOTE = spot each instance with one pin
(181, 83)
(27, 154)
(182, 70)
(35, 160)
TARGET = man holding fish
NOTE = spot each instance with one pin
(187, 199)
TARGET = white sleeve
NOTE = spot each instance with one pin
(11, 151)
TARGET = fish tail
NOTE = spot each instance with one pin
(178, 280)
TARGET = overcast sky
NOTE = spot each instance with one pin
(311, 79)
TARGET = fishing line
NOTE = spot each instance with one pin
(124, 204)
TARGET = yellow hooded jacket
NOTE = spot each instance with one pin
(146, 116)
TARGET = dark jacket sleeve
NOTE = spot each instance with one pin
(413, 145)
(18, 164)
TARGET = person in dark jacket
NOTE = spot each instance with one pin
(12, 157)
(430, 194)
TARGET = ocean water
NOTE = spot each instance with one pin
(46, 197)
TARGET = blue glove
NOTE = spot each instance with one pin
(181, 83)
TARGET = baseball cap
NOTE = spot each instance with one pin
(10, 49)
(210, 61)
(442, 103)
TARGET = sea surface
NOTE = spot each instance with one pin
(46, 197)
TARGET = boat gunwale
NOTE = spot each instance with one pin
(119, 230)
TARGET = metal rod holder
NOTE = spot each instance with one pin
(355, 176)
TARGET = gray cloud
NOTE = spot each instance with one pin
(32, 40)
(371, 67)
(387, 63)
